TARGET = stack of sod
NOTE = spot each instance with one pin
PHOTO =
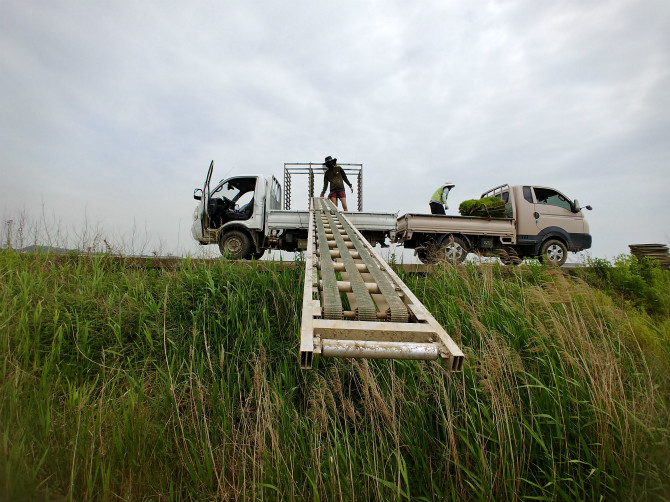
(488, 207)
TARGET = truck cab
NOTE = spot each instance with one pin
(232, 214)
(544, 214)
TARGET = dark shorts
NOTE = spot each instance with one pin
(436, 208)
(340, 194)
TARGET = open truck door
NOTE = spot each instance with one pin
(205, 199)
(204, 220)
(199, 228)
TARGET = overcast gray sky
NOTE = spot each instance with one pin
(111, 111)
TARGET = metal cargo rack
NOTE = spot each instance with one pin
(311, 169)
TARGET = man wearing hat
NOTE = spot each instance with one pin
(438, 202)
(337, 178)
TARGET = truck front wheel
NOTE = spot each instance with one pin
(554, 252)
(234, 245)
(455, 249)
(509, 256)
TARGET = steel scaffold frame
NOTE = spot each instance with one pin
(312, 169)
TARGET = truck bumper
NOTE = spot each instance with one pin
(579, 242)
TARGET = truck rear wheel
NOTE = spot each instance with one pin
(234, 245)
(428, 254)
(455, 250)
(553, 252)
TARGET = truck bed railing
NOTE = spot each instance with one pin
(312, 169)
(495, 192)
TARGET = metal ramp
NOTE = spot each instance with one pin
(354, 304)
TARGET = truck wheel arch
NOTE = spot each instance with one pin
(444, 238)
(551, 233)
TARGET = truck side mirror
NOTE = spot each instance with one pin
(576, 208)
(196, 195)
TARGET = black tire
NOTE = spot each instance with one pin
(427, 254)
(454, 249)
(508, 256)
(234, 245)
(553, 252)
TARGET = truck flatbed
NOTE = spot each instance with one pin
(411, 223)
(278, 219)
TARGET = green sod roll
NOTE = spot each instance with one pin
(488, 207)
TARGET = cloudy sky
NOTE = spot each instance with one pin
(110, 112)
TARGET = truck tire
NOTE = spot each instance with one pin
(509, 256)
(234, 245)
(454, 249)
(553, 252)
(428, 254)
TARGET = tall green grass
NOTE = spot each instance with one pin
(139, 384)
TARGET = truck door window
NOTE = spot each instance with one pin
(552, 198)
(527, 195)
(505, 197)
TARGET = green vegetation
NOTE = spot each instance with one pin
(488, 207)
(140, 384)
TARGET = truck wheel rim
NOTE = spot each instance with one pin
(453, 252)
(233, 246)
(555, 253)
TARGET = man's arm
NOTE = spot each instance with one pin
(325, 185)
(345, 179)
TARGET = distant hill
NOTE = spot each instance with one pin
(44, 249)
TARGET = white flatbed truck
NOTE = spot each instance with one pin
(243, 214)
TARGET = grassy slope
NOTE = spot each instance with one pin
(173, 385)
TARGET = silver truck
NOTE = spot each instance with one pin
(243, 214)
(541, 222)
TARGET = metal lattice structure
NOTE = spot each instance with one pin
(354, 304)
(311, 169)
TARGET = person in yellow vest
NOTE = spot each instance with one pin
(438, 202)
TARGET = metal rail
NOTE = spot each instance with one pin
(315, 168)
(354, 304)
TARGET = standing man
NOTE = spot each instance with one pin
(438, 202)
(335, 176)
